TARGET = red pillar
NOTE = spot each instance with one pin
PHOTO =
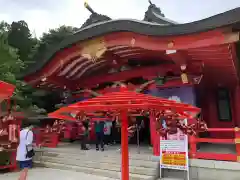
(155, 139)
(236, 109)
(193, 147)
(124, 146)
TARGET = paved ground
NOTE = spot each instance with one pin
(52, 174)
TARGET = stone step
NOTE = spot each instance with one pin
(101, 165)
(93, 154)
(94, 171)
(170, 179)
(112, 160)
(171, 173)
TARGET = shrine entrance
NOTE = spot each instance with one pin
(141, 137)
(143, 134)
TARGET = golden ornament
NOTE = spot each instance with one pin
(93, 49)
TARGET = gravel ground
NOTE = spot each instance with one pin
(52, 174)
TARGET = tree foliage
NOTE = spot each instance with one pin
(51, 39)
(17, 49)
(10, 66)
(19, 37)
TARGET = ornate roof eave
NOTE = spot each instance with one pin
(226, 19)
(154, 14)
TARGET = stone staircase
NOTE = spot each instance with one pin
(106, 164)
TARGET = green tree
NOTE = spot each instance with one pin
(10, 65)
(51, 39)
(19, 37)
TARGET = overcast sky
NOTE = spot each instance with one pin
(41, 15)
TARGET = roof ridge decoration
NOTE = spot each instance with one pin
(154, 14)
(94, 17)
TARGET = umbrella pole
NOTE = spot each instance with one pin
(124, 146)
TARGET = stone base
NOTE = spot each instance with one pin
(206, 170)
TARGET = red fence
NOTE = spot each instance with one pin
(42, 138)
(194, 154)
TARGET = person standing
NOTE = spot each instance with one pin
(85, 124)
(107, 132)
(25, 151)
(114, 132)
(99, 131)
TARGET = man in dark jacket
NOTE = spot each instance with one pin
(85, 124)
(99, 131)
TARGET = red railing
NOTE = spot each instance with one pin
(194, 154)
(44, 139)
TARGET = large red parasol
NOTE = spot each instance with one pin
(123, 102)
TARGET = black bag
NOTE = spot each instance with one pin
(30, 153)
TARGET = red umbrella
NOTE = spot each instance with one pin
(122, 102)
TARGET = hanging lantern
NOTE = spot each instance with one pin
(184, 78)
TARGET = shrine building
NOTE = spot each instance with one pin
(195, 63)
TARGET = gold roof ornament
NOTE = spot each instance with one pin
(93, 49)
(85, 4)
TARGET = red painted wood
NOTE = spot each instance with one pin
(6, 92)
(131, 87)
(220, 129)
(216, 156)
(211, 115)
(220, 141)
(204, 39)
(138, 72)
(154, 136)
(55, 64)
(92, 81)
(99, 104)
(124, 146)
(44, 139)
(193, 146)
(236, 105)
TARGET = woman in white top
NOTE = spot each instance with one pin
(25, 145)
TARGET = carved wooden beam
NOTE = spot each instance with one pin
(179, 57)
(137, 72)
(111, 56)
(200, 40)
(61, 82)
